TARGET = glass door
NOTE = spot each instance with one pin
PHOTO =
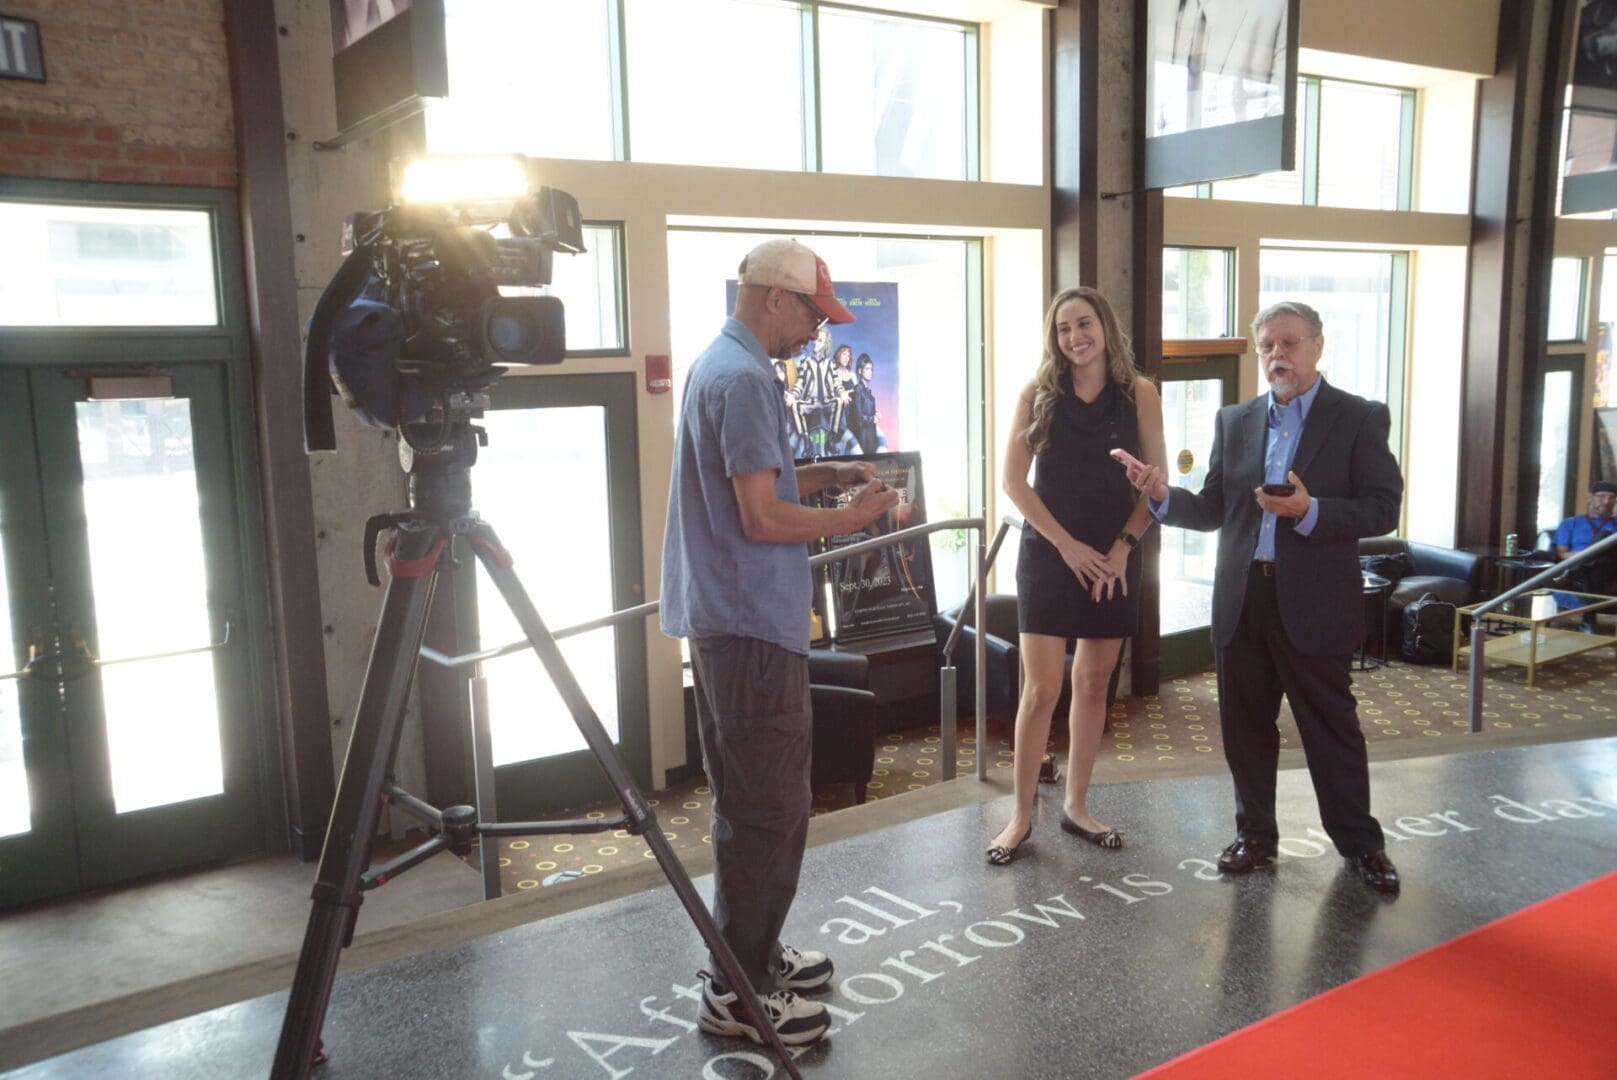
(1192, 394)
(559, 482)
(127, 738)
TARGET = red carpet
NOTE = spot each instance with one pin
(1533, 995)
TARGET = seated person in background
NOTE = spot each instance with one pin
(1579, 532)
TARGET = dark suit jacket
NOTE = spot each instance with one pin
(1344, 462)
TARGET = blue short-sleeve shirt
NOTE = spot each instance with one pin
(732, 421)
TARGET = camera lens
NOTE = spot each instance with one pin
(523, 330)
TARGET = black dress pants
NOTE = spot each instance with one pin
(1254, 669)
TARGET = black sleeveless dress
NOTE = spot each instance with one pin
(1090, 495)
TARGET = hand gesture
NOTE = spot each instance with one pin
(1117, 564)
(871, 502)
(1294, 505)
(853, 473)
(1147, 478)
(1089, 565)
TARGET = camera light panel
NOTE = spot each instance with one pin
(462, 179)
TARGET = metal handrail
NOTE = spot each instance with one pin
(1006, 525)
(1479, 632)
(946, 722)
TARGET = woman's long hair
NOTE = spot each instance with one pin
(1047, 381)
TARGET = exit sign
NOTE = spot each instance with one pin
(21, 55)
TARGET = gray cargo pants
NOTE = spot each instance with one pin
(756, 726)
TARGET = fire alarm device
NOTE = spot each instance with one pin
(659, 374)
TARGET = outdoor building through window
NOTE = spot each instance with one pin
(814, 87)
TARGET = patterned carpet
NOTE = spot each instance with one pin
(1149, 736)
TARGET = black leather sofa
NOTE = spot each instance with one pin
(1416, 569)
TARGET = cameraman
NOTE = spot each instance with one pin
(736, 583)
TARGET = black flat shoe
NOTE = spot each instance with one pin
(1377, 871)
(1110, 839)
(1245, 855)
(1000, 855)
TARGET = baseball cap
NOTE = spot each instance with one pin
(786, 264)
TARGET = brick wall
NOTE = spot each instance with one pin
(138, 92)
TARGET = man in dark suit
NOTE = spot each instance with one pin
(1286, 595)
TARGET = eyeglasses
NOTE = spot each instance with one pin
(821, 317)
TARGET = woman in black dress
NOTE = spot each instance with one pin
(1075, 575)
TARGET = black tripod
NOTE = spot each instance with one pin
(440, 494)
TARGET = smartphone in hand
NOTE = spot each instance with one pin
(1280, 490)
(1126, 459)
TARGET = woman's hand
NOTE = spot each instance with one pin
(1117, 565)
(1090, 566)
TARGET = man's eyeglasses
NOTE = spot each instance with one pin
(821, 318)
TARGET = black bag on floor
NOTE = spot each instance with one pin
(1428, 631)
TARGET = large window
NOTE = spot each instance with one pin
(1197, 292)
(928, 388)
(78, 265)
(1360, 296)
(1355, 148)
(889, 95)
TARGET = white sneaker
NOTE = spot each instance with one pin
(804, 969)
(796, 1021)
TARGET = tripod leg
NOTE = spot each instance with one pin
(371, 748)
(643, 820)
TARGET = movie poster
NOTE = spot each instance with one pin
(841, 391)
(887, 591)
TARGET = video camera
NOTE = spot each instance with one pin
(413, 325)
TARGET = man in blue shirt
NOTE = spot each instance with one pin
(1296, 477)
(1577, 533)
(736, 584)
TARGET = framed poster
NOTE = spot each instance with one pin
(841, 391)
(388, 57)
(1221, 89)
(888, 591)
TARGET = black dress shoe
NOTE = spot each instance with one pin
(1245, 855)
(1377, 871)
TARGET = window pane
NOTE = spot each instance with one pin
(1196, 292)
(106, 266)
(1566, 299)
(513, 91)
(566, 570)
(1555, 434)
(1189, 410)
(590, 287)
(926, 408)
(1274, 187)
(1352, 291)
(893, 95)
(687, 108)
(143, 521)
(1360, 136)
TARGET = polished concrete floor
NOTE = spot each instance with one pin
(1072, 961)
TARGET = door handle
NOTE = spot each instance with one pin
(83, 649)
